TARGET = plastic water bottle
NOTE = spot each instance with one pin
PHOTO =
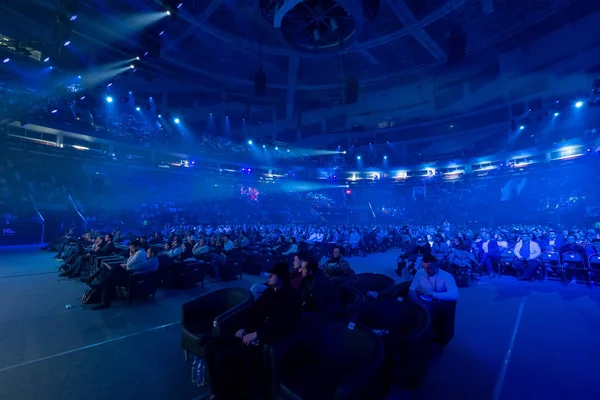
(200, 373)
(194, 368)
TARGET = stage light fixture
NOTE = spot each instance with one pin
(176, 120)
(46, 59)
(522, 127)
(68, 42)
(276, 148)
(358, 158)
(168, 12)
(250, 142)
(109, 84)
(556, 114)
(161, 33)
(288, 150)
(73, 18)
(179, 5)
(137, 58)
(137, 109)
(132, 66)
(385, 157)
(6, 60)
(159, 116)
(54, 111)
(109, 99)
(145, 54)
(264, 146)
(82, 98)
(579, 104)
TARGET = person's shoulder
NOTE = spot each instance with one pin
(445, 274)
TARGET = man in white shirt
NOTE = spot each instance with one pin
(119, 274)
(526, 257)
(433, 284)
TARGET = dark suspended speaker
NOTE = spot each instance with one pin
(351, 90)
(260, 83)
(457, 46)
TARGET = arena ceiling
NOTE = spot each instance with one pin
(306, 53)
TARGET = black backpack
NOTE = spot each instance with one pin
(91, 296)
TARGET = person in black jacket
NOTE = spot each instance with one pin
(320, 295)
(234, 364)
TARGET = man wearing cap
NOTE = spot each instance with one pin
(274, 315)
(295, 277)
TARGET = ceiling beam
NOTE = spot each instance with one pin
(406, 16)
(292, 81)
(252, 47)
(487, 6)
(191, 30)
(368, 56)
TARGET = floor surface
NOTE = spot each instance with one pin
(513, 340)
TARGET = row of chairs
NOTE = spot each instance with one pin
(552, 260)
(339, 347)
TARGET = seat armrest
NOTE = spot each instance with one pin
(231, 321)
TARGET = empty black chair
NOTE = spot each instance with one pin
(208, 317)
(328, 360)
(404, 329)
(343, 280)
(352, 300)
(399, 291)
(370, 282)
(188, 273)
(142, 284)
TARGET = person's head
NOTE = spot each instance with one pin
(298, 259)
(338, 252)
(201, 242)
(135, 246)
(186, 247)
(571, 239)
(151, 252)
(596, 244)
(178, 242)
(526, 238)
(143, 239)
(109, 237)
(552, 235)
(279, 275)
(292, 240)
(309, 267)
(438, 238)
(430, 265)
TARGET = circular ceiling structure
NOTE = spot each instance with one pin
(322, 26)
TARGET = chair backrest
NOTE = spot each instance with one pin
(403, 319)
(551, 257)
(372, 282)
(594, 261)
(572, 257)
(337, 344)
(224, 300)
